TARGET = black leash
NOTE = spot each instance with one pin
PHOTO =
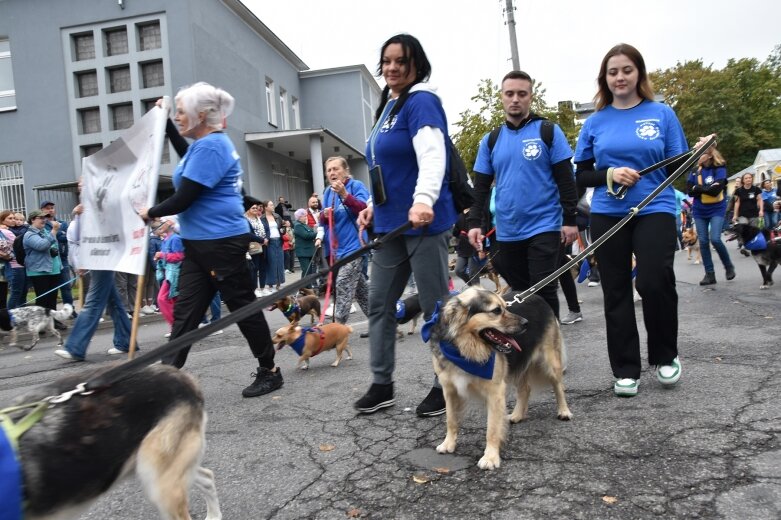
(661, 164)
(695, 155)
(115, 374)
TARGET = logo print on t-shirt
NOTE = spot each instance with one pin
(647, 130)
(532, 150)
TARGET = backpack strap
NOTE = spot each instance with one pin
(546, 134)
(492, 137)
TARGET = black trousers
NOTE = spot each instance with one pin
(218, 265)
(43, 284)
(525, 262)
(652, 239)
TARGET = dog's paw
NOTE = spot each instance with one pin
(565, 415)
(490, 461)
(305, 366)
(764, 286)
(447, 446)
(335, 364)
(696, 262)
(515, 418)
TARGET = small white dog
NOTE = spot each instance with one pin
(36, 319)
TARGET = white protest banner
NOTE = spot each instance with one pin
(118, 181)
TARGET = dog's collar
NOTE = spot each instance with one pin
(291, 309)
(452, 354)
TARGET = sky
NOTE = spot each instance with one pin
(560, 43)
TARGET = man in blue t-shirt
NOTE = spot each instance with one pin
(535, 191)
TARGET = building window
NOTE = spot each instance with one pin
(296, 114)
(270, 102)
(7, 90)
(119, 79)
(84, 46)
(90, 149)
(149, 36)
(284, 119)
(121, 116)
(116, 41)
(12, 187)
(87, 83)
(152, 74)
(90, 120)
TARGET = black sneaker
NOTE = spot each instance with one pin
(265, 381)
(730, 273)
(378, 396)
(433, 404)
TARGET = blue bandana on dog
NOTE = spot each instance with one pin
(452, 354)
(758, 243)
(10, 480)
(401, 309)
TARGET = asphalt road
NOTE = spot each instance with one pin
(708, 448)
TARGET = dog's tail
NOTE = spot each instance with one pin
(62, 314)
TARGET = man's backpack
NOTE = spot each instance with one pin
(546, 134)
(19, 249)
(458, 178)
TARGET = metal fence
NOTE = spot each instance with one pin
(12, 187)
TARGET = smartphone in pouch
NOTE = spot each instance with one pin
(378, 186)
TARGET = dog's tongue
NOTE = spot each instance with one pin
(500, 338)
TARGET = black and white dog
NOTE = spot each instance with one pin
(765, 250)
(36, 319)
(150, 422)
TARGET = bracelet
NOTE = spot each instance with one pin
(609, 181)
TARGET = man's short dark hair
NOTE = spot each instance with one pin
(517, 74)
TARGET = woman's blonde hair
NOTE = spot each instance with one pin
(201, 98)
(338, 158)
(715, 159)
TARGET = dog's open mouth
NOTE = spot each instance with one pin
(500, 341)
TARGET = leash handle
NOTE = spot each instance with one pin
(621, 193)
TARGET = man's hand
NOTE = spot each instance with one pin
(476, 238)
(420, 215)
(569, 234)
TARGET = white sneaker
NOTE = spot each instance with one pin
(167, 335)
(114, 350)
(593, 284)
(266, 292)
(636, 296)
(148, 309)
(64, 354)
(353, 310)
(217, 332)
(330, 310)
(668, 375)
(626, 387)
(202, 325)
(259, 292)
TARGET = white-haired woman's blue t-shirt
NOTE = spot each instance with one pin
(213, 162)
(635, 137)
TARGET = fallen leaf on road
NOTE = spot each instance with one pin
(442, 471)
(718, 359)
(276, 397)
(420, 479)
(354, 513)
(327, 447)
(609, 500)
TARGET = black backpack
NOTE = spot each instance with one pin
(19, 248)
(546, 134)
(458, 178)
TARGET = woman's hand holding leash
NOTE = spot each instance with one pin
(365, 218)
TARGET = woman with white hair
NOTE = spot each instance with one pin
(208, 203)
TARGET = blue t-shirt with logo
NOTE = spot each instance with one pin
(636, 137)
(217, 212)
(394, 153)
(709, 176)
(527, 196)
(345, 225)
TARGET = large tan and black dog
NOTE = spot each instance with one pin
(526, 346)
(151, 422)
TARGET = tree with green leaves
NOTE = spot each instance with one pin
(741, 103)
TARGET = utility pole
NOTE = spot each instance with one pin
(509, 9)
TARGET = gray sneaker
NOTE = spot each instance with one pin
(572, 317)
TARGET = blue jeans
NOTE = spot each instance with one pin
(65, 275)
(215, 308)
(19, 286)
(102, 293)
(710, 228)
(771, 219)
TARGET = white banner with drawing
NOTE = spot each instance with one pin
(118, 181)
